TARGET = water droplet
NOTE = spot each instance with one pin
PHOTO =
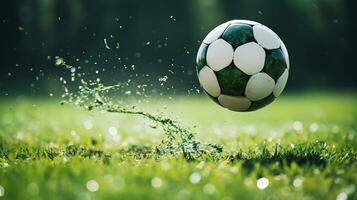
(262, 183)
(112, 137)
(92, 186)
(156, 182)
(106, 43)
(172, 17)
(297, 182)
(113, 131)
(313, 127)
(75, 135)
(88, 124)
(195, 178)
(342, 196)
(297, 126)
(59, 61)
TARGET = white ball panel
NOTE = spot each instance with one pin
(215, 33)
(280, 83)
(234, 103)
(249, 58)
(242, 21)
(219, 54)
(266, 37)
(259, 86)
(286, 55)
(209, 81)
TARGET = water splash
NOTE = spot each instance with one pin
(178, 140)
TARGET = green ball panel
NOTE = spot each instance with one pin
(232, 81)
(238, 34)
(274, 63)
(201, 57)
(261, 103)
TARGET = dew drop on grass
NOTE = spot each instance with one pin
(113, 131)
(262, 183)
(92, 186)
(75, 135)
(88, 124)
(156, 182)
(297, 182)
(195, 178)
(313, 127)
(342, 196)
(112, 136)
(297, 126)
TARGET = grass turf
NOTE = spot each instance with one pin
(303, 146)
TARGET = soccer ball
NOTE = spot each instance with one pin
(242, 65)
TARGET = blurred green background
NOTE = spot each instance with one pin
(162, 37)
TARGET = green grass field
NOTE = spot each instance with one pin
(300, 147)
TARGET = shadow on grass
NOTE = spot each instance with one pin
(312, 154)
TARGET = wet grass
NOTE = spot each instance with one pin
(305, 145)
